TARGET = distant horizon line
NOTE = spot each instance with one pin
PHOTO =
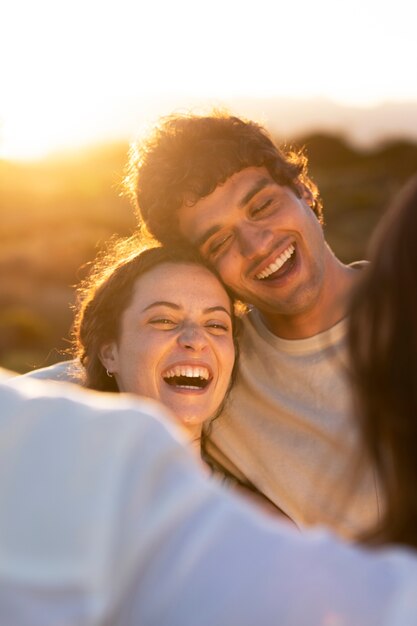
(78, 151)
(287, 118)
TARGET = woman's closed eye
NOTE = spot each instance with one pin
(164, 323)
(217, 327)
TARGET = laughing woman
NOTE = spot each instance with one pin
(159, 324)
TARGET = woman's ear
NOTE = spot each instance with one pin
(109, 356)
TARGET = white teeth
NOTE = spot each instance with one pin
(187, 371)
(277, 264)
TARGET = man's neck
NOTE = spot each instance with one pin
(328, 309)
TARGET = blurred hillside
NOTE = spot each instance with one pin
(57, 213)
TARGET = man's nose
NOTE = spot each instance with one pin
(192, 337)
(254, 241)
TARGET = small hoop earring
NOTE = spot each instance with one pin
(109, 374)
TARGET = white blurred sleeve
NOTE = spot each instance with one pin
(106, 519)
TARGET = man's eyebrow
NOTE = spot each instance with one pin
(257, 187)
(162, 303)
(206, 235)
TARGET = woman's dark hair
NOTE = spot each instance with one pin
(187, 156)
(107, 292)
(383, 352)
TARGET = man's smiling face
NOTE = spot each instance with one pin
(264, 240)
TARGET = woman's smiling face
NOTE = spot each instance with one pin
(175, 342)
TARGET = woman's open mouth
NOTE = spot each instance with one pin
(195, 378)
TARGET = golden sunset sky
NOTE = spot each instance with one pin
(97, 70)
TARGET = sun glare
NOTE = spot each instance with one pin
(23, 145)
(34, 136)
(104, 67)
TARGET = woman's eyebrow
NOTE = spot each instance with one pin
(162, 303)
(176, 307)
(212, 309)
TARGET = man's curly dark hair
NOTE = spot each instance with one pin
(187, 156)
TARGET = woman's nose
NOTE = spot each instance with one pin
(192, 338)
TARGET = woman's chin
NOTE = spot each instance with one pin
(191, 426)
(190, 419)
(189, 413)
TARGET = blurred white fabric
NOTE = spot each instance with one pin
(106, 518)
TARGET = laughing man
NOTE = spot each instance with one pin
(220, 184)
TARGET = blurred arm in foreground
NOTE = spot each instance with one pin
(106, 518)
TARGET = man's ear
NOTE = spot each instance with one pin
(109, 356)
(305, 194)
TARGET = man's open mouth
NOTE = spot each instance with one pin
(187, 377)
(280, 265)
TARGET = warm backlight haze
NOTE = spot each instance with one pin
(93, 70)
(100, 72)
